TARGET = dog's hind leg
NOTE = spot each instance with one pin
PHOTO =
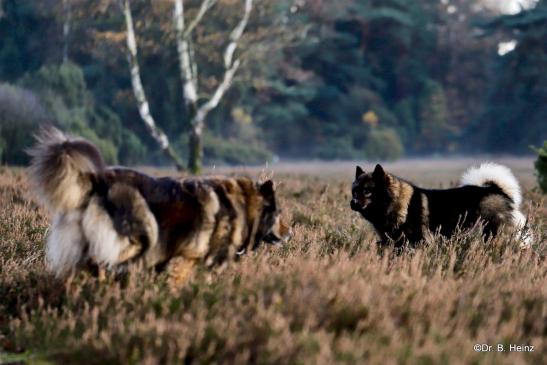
(106, 245)
(124, 228)
(129, 252)
(66, 243)
(132, 218)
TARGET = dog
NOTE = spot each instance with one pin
(111, 217)
(402, 212)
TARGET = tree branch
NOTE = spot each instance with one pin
(236, 34)
(213, 102)
(188, 71)
(205, 6)
(230, 65)
(144, 109)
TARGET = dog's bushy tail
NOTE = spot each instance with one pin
(61, 169)
(491, 173)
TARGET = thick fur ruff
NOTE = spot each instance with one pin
(113, 216)
(401, 211)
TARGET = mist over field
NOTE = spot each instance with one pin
(422, 171)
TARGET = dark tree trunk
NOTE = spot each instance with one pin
(195, 151)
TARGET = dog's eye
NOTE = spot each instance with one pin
(367, 193)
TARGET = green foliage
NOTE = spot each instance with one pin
(23, 27)
(131, 151)
(432, 115)
(541, 167)
(338, 149)
(218, 150)
(311, 72)
(408, 125)
(384, 144)
(516, 111)
(64, 82)
(20, 114)
(63, 91)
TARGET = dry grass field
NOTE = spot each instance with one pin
(327, 297)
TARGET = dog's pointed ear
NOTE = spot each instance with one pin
(358, 172)
(380, 175)
(267, 189)
(379, 172)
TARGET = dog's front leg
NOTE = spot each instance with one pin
(180, 271)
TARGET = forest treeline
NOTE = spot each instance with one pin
(346, 79)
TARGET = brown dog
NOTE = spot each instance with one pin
(113, 216)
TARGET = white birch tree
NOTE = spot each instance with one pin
(188, 72)
(144, 108)
(197, 107)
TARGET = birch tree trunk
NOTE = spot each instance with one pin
(144, 109)
(188, 70)
(67, 20)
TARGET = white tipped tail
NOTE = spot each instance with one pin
(501, 176)
(492, 173)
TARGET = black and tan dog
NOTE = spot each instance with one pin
(111, 215)
(401, 211)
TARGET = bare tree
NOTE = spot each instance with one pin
(188, 72)
(197, 107)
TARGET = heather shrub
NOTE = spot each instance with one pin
(327, 297)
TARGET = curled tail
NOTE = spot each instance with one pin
(61, 169)
(490, 173)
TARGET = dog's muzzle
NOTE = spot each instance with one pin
(355, 205)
